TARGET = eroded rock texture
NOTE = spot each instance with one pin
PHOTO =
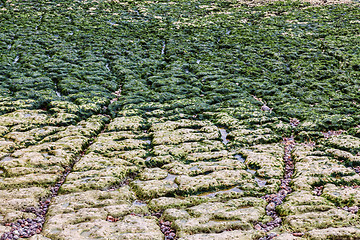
(148, 120)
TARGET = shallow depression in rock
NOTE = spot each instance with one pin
(224, 134)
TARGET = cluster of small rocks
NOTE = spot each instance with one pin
(111, 219)
(165, 227)
(24, 228)
(332, 133)
(277, 199)
(294, 122)
(266, 108)
(353, 209)
(318, 190)
(357, 169)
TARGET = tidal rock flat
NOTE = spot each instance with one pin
(188, 120)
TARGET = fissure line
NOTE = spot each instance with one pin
(277, 199)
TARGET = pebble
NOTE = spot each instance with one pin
(257, 227)
(298, 234)
(266, 108)
(271, 206)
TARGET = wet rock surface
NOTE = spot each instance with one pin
(179, 120)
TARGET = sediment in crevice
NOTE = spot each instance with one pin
(275, 200)
(165, 227)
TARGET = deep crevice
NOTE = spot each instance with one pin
(275, 200)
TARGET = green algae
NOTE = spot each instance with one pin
(285, 71)
(170, 74)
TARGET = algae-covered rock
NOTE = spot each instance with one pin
(320, 167)
(350, 159)
(13, 202)
(95, 179)
(324, 219)
(171, 214)
(183, 135)
(131, 228)
(39, 237)
(126, 123)
(153, 174)
(120, 211)
(26, 117)
(201, 167)
(342, 195)
(62, 118)
(183, 149)
(300, 202)
(183, 123)
(13, 216)
(29, 180)
(3, 130)
(207, 156)
(104, 146)
(163, 203)
(31, 137)
(312, 170)
(19, 171)
(287, 236)
(6, 146)
(244, 137)
(224, 119)
(72, 202)
(28, 159)
(235, 209)
(301, 151)
(344, 142)
(144, 94)
(227, 235)
(159, 160)
(95, 161)
(41, 155)
(214, 180)
(58, 223)
(195, 215)
(204, 225)
(154, 188)
(346, 233)
(266, 159)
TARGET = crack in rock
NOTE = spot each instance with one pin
(275, 200)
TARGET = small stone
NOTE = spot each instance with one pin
(257, 227)
(270, 206)
(272, 235)
(298, 234)
(110, 219)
